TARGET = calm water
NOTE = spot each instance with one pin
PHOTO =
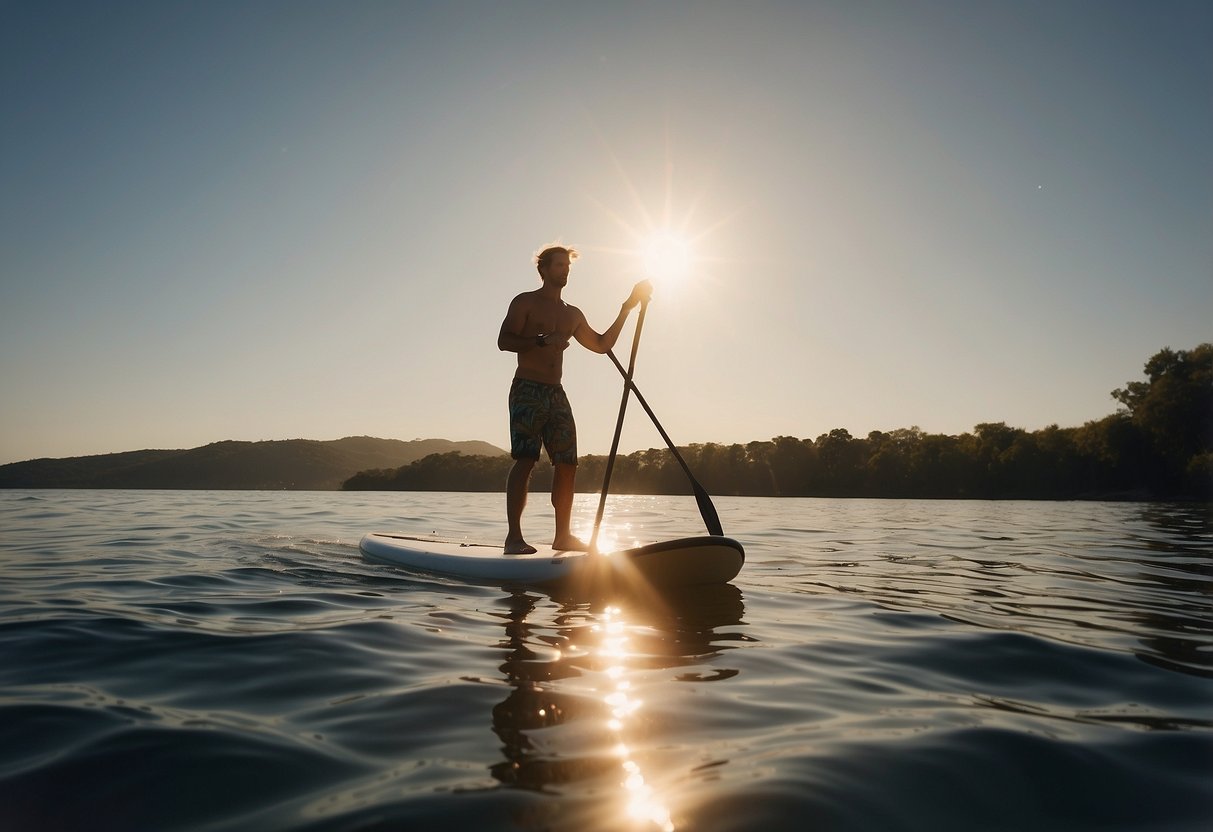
(227, 661)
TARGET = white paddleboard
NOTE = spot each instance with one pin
(688, 561)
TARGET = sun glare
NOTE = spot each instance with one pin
(666, 256)
(665, 244)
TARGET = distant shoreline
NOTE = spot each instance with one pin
(1157, 448)
(1095, 498)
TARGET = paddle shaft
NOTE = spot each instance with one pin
(623, 406)
(706, 509)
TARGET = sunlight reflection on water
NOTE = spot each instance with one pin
(642, 802)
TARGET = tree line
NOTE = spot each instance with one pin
(1158, 445)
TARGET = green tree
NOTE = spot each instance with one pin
(1174, 409)
(841, 457)
(790, 463)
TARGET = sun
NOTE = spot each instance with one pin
(661, 238)
(666, 256)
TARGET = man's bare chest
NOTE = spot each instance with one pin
(553, 317)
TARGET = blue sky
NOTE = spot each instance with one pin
(273, 220)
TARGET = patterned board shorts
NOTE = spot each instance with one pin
(540, 414)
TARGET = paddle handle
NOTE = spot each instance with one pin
(623, 406)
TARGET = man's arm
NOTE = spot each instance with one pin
(602, 343)
(510, 338)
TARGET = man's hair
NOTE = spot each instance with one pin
(544, 256)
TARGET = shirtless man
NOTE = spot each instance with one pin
(538, 326)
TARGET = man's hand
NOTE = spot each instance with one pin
(555, 340)
(641, 293)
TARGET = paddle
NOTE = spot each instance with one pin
(706, 510)
(623, 406)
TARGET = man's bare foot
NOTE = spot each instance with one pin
(518, 547)
(570, 544)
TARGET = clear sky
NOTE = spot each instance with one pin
(275, 220)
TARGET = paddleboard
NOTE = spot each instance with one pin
(686, 562)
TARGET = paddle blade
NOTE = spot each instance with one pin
(707, 511)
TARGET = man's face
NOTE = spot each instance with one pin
(557, 269)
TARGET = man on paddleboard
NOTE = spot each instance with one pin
(538, 326)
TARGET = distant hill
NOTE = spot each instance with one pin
(293, 464)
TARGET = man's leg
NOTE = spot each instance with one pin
(516, 486)
(563, 477)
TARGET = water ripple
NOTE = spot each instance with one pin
(876, 665)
